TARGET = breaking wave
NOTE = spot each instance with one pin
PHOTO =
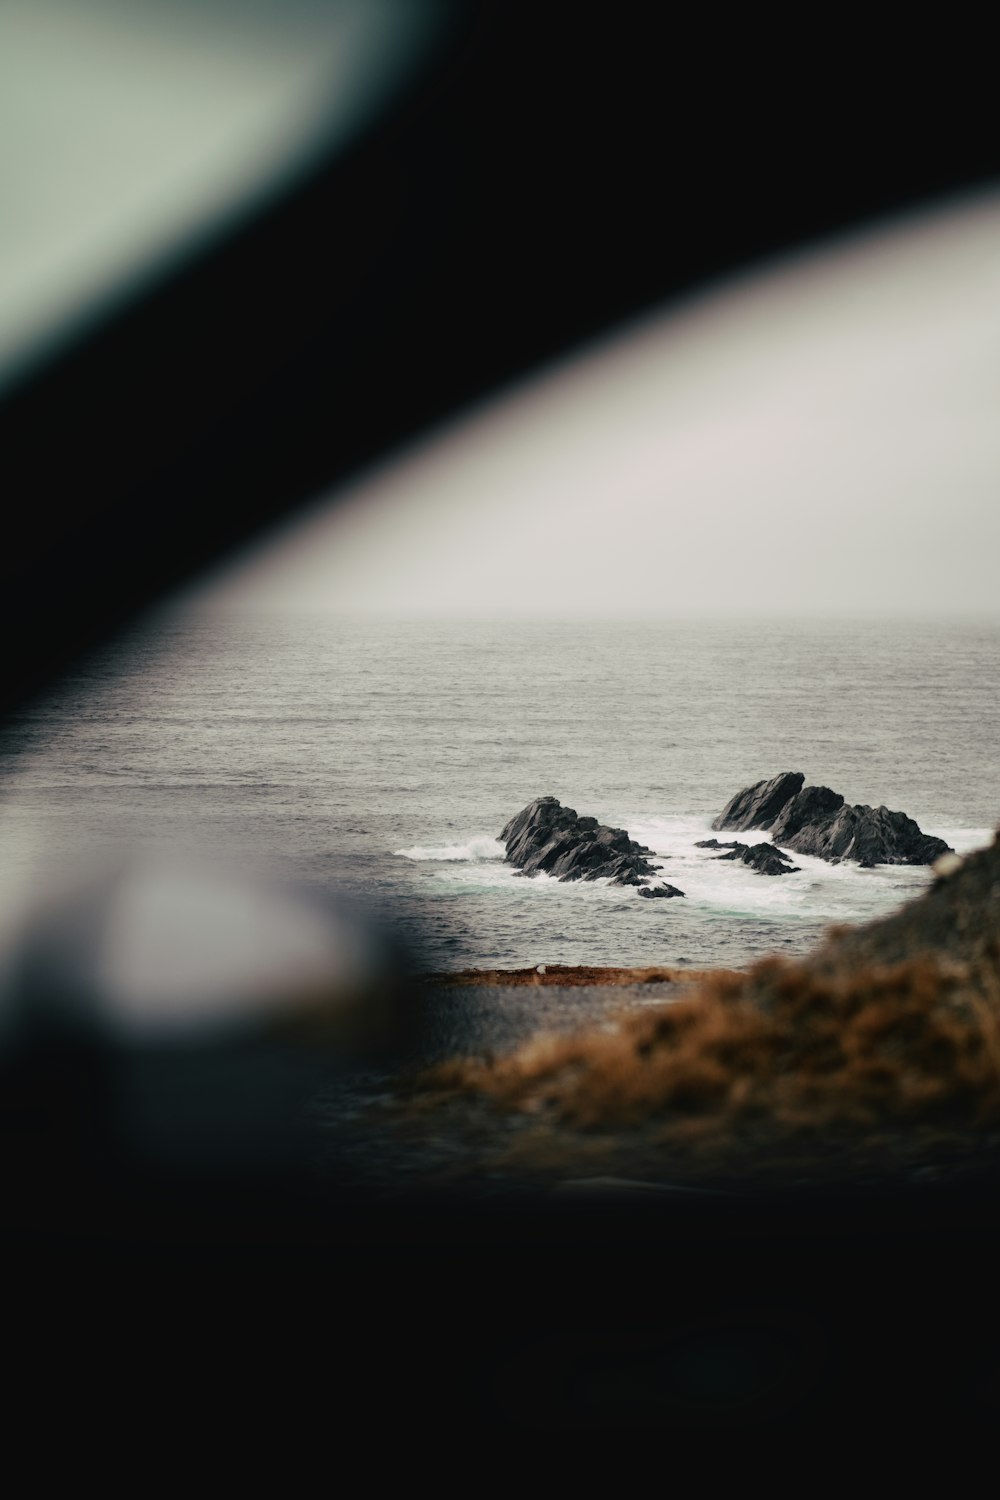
(478, 849)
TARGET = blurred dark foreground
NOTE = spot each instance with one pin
(173, 1254)
(853, 1313)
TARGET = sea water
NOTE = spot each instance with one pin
(381, 757)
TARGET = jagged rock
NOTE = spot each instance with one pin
(768, 860)
(547, 837)
(812, 805)
(764, 858)
(758, 805)
(870, 835)
(815, 820)
(660, 890)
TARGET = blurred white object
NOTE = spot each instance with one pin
(157, 948)
(177, 944)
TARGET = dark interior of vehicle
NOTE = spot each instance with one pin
(539, 175)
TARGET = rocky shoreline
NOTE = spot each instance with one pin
(876, 1058)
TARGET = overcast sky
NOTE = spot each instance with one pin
(822, 437)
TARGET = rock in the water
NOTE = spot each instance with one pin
(870, 835)
(812, 805)
(757, 806)
(660, 890)
(768, 860)
(547, 837)
(815, 820)
(764, 858)
(714, 844)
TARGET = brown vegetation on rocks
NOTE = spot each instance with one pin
(572, 975)
(883, 1045)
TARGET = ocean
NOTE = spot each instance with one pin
(381, 757)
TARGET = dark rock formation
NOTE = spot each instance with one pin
(811, 805)
(660, 890)
(758, 805)
(770, 861)
(764, 858)
(815, 820)
(870, 835)
(545, 836)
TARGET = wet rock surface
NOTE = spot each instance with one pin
(870, 835)
(810, 806)
(815, 820)
(546, 837)
(764, 858)
(757, 806)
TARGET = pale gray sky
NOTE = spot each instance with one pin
(821, 437)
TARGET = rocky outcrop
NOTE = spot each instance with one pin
(660, 890)
(815, 820)
(810, 806)
(546, 837)
(955, 922)
(757, 806)
(764, 858)
(870, 835)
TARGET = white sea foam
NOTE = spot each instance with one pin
(726, 888)
(839, 892)
(479, 848)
